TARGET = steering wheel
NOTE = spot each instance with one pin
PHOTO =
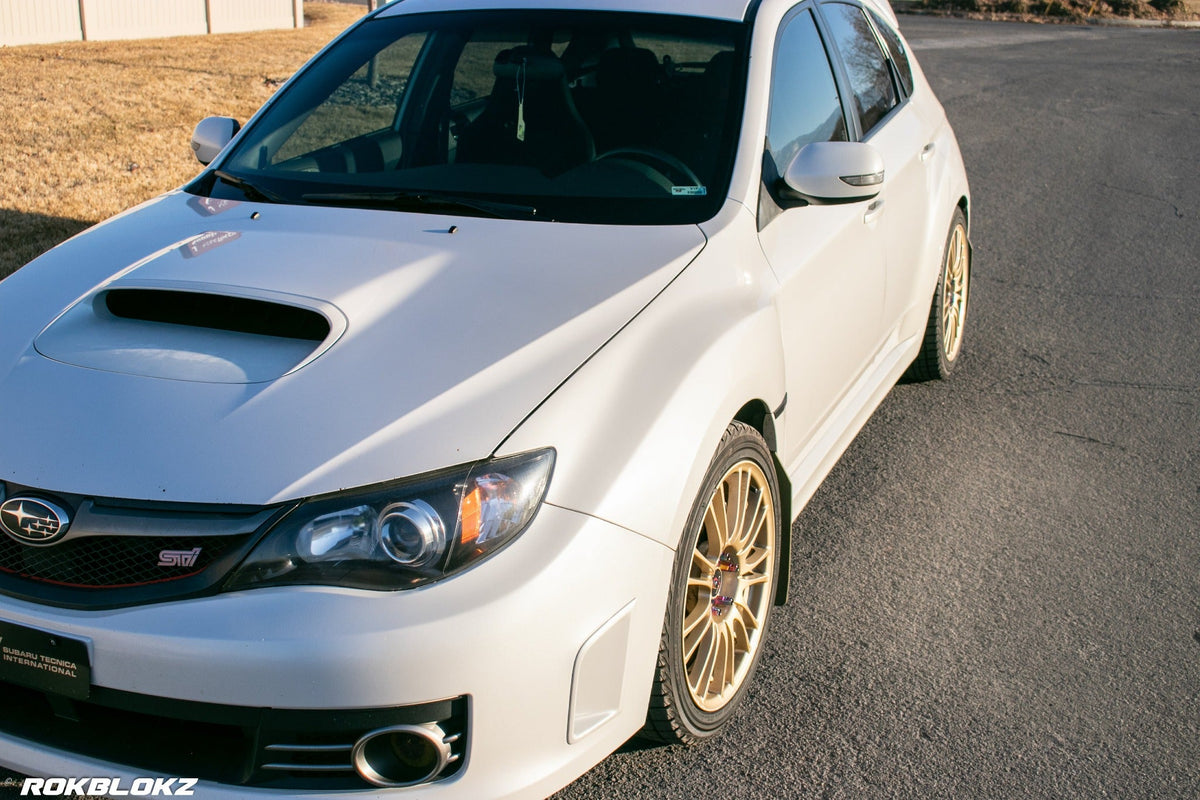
(659, 158)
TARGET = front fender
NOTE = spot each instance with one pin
(637, 425)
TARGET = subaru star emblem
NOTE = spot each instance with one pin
(33, 521)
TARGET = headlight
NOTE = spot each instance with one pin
(399, 535)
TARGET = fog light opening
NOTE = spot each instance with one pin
(403, 755)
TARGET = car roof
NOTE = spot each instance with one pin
(716, 9)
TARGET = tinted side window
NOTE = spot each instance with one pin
(896, 51)
(874, 93)
(805, 106)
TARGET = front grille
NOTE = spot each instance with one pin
(290, 750)
(114, 561)
(121, 552)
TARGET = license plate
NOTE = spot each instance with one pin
(49, 662)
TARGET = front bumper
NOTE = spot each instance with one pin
(550, 644)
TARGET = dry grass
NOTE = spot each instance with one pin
(91, 128)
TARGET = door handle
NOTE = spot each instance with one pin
(927, 150)
(873, 212)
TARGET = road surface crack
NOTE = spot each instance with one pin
(1178, 212)
(1090, 440)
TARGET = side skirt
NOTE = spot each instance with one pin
(826, 447)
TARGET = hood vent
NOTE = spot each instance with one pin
(193, 332)
(218, 312)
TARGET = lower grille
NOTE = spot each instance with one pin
(290, 750)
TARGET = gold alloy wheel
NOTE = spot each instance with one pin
(728, 586)
(954, 293)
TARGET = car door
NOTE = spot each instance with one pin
(891, 124)
(829, 259)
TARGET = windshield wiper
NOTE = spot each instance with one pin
(251, 191)
(401, 200)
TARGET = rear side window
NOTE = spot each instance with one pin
(805, 106)
(896, 50)
(874, 93)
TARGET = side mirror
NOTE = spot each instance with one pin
(211, 136)
(824, 173)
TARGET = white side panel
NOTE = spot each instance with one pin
(38, 21)
(230, 16)
(137, 19)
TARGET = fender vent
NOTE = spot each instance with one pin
(219, 312)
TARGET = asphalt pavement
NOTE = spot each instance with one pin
(996, 593)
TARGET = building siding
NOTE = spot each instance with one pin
(135, 19)
(40, 21)
(229, 16)
(32, 21)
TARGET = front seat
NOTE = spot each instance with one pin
(555, 136)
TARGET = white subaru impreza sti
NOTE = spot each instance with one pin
(447, 430)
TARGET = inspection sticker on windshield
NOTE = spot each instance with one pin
(689, 191)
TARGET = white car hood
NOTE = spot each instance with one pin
(440, 344)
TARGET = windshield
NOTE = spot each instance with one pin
(574, 116)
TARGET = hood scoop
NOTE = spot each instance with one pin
(192, 332)
(218, 312)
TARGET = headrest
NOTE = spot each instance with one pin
(718, 73)
(628, 63)
(721, 62)
(539, 65)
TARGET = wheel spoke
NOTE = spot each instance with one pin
(746, 617)
(757, 521)
(727, 663)
(753, 562)
(739, 629)
(754, 580)
(698, 625)
(716, 523)
(739, 492)
(700, 675)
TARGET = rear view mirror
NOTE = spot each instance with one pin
(211, 136)
(833, 172)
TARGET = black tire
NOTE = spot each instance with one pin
(678, 712)
(941, 349)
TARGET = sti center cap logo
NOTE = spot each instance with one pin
(33, 521)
